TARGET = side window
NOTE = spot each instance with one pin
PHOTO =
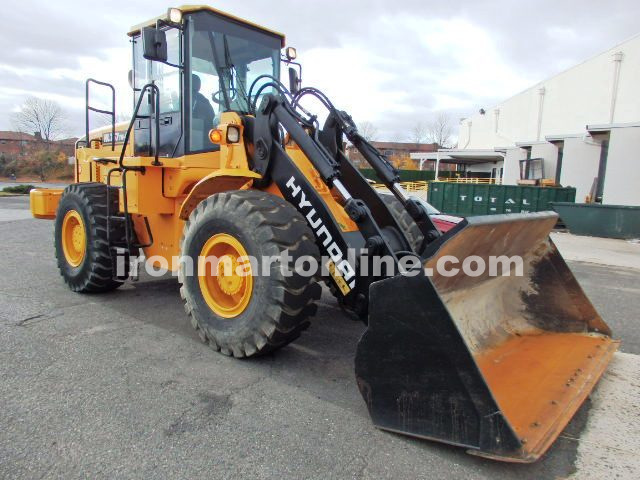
(141, 73)
(166, 77)
(204, 81)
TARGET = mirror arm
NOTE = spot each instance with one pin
(181, 67)
(160, 22)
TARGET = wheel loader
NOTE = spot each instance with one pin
(220, 159)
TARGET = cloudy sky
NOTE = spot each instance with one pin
(389, 63)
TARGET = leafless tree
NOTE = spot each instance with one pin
(368, 130)
(440, 130)
(418, 133)
(42, 117)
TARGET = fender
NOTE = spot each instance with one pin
(219, 181)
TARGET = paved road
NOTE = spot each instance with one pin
(118, 385)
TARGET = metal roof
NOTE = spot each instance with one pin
(196, 8)
(462, 156)
(605, 127)
(561, 138)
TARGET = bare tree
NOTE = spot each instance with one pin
(368, 130)
(440, 130)
(42, 117)
(418, 133)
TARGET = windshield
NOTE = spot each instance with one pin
(225, 58)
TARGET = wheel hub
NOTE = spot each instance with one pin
(226, 289)
(228, 279)
(74, 239)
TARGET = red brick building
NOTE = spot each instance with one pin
(15, 144)
(18, 144)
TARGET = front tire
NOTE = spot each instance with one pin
(248, 315)
(82, 250)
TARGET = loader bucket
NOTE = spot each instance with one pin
(497, 364)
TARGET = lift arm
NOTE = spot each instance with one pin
(379, 232)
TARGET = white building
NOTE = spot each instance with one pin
(580, 128)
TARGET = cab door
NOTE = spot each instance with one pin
(169, 80)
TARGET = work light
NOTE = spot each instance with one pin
(174, 15)
(291, 53)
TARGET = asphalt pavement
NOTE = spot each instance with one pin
(119, 386)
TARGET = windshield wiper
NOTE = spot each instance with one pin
(237, 85)
(219, 70)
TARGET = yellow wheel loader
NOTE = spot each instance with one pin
(220, 160)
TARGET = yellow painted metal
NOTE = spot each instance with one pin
(196, 8)
(144, 192)
(44, 202)
(328, 196)
(166, 195)
(74, 238)
(225, 276)
(219, 181)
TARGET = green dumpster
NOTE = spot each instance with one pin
(469, 199)
(593, 219)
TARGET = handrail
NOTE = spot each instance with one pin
(111, 113)
(417, 186)
(156, 91)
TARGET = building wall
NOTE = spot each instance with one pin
(13, 147)
(580, 162)
(21, 144)
(549, 152)
(622, 178)
(576, 97)
(512, 165)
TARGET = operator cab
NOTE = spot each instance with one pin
(203, 62)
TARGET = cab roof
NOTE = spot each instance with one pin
(197, 8)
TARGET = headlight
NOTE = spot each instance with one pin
(233, 134)
(174, 15)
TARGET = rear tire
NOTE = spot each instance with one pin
(90, 267)
(279, 306)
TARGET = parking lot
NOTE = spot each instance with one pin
(119, 386)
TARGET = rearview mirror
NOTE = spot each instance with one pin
(294, 81)
(154, 44)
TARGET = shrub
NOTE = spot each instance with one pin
(18, 189)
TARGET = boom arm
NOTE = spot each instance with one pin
(379, 232)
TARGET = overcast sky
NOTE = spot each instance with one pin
(390, 63)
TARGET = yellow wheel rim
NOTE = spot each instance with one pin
(225, 276)
(74, 238)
